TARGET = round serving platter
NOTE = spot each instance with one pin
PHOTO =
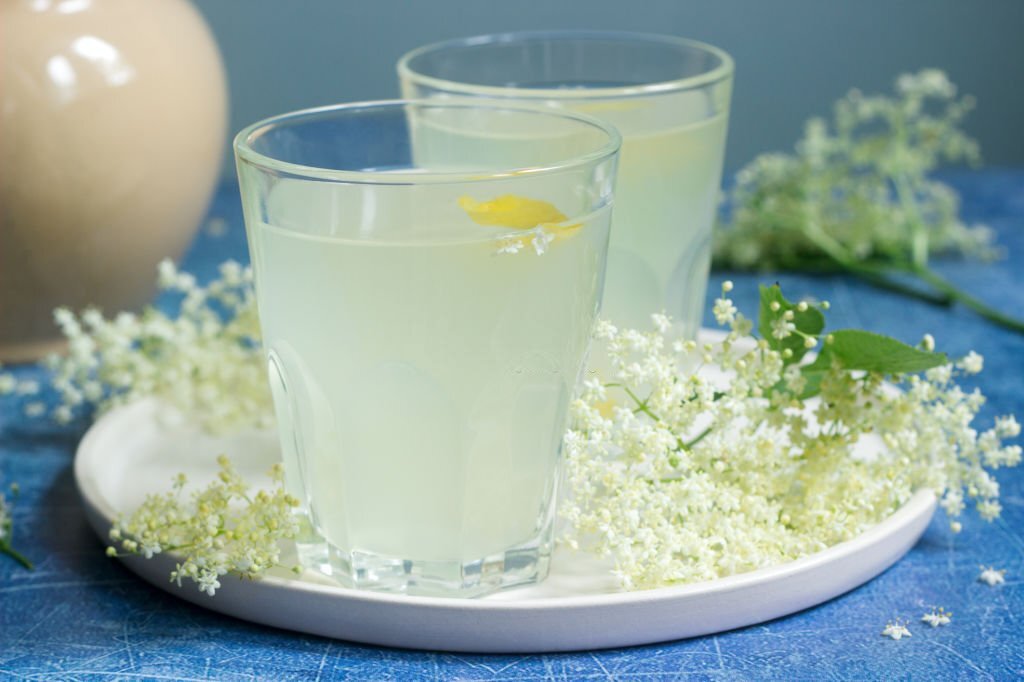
(137, 449)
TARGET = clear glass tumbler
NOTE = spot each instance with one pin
(427, 276)
(668, 97)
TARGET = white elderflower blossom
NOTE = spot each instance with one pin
(937, 617)
(972, 363)
(27, 387)
(896, 630)
(206, 361)
(926, 83)
(661, 322)
(682, 477)
(992, 576)
(782, 328)
(1007, 427)
(35, 409)
(858, 195)
(724, 311)
(217, 530)
(9, 384)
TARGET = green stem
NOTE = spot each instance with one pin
(947, 291)
(16, 555)
(919, 234)
(875, 274)
(641, 405)
(689, 445)
(977, 305)
(882, 282)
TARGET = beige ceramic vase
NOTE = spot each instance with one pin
(112, 123)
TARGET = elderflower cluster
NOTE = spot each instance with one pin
(206, 361)
(217, 529)
(682, 475)
(859, 188)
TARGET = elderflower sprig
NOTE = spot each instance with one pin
(218, 529)
(682, 476)
(206, 360)
(856, 196)
(7, 530)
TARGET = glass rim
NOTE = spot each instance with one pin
(721, 72)
(246, 153)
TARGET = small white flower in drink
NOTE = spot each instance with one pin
(541, 241)
(991, 576)
(509, 247)
(938, 617)
(896, 630)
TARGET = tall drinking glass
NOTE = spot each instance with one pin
(427, 276)
(668, 97)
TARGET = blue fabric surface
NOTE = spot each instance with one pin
(79, 615)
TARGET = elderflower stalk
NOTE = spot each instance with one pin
(856, 196)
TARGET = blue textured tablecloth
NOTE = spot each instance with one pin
(79, 615)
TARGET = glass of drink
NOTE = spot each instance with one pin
(668, 97)
(427, 277)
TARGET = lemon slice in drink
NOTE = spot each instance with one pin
(519, 213)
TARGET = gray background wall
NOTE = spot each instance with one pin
(793, 57)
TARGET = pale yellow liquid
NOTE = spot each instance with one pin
(422, 388)
(665, 198)
(666, 193)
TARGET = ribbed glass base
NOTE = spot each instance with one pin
(521, 565)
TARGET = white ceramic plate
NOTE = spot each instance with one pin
(134, 450)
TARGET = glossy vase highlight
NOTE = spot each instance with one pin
(112, 120)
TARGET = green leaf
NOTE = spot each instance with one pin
(809, 322)
(856, 349)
